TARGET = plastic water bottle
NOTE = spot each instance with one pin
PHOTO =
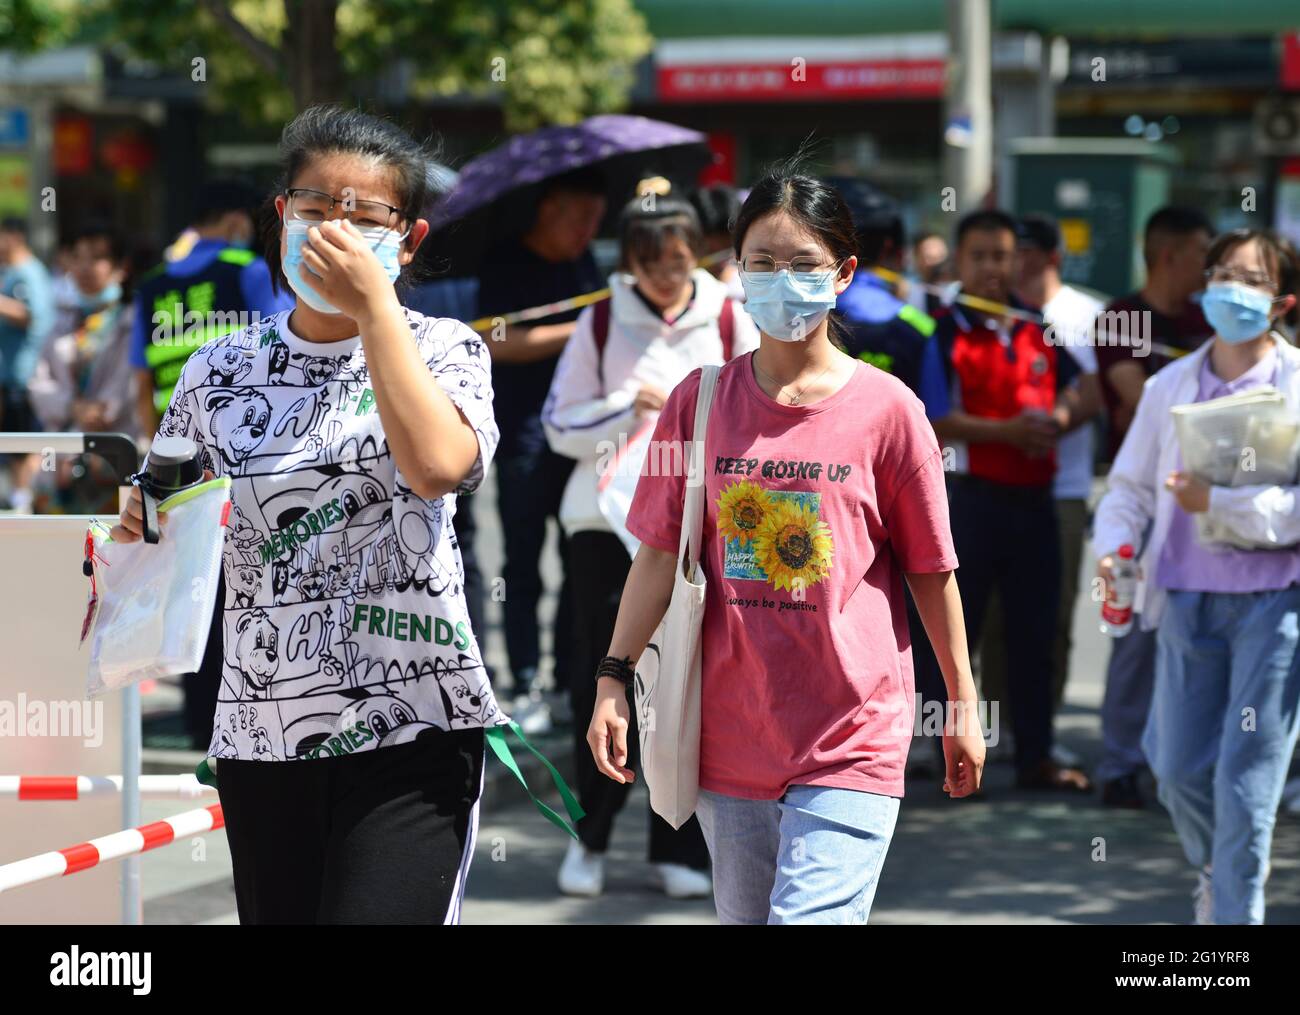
(1117, 609)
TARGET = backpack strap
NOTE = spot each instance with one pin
(600, 312)
(727, 327)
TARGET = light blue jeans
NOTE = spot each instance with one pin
(1223, 725)
(813, 856)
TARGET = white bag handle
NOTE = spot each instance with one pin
(696, 462)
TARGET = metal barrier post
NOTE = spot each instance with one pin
(123, 456)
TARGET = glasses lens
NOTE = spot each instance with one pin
(807, 265)
(759, 264)
(310, 205)
(371, 215)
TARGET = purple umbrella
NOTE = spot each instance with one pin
(497, 192)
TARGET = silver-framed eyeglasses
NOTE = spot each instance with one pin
(761, 269)
(1254, 279)
(316, 206)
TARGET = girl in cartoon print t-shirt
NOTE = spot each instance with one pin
(354, 694)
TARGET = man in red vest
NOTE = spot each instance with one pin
(1011, 400)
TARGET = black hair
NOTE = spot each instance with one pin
(877, 219)
(97, 230)
(717, 207)
(1040, 232)
(584, 180)
(219, 197)
(647, 222)
(14, 224)
(1172, 222)
(329, 130)
(813, 203)
(1276, 252)
(985, 220)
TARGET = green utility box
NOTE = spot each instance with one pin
(1100, 192)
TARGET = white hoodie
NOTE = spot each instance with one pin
(590, 402)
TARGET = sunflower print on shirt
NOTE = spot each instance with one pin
(773, 536)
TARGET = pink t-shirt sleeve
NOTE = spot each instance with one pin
(655, 517)
(917, 519)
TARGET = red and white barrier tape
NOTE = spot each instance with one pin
(110, 847)
(77, 787)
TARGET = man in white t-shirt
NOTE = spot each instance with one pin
(1070, 315)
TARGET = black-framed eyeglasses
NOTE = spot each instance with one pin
(316, 206)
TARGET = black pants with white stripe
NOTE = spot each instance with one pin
(382, 836)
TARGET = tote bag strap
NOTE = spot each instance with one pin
(696, 459)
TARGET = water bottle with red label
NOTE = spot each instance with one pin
(1117, 608)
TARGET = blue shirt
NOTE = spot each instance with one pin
(880, 336)
(254, 282)
(20, 346)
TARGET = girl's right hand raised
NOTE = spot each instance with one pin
(607, 734)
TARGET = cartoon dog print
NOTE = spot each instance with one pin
(320, 370)
(257, 650)
(262, 745)
(467, 706)
(177, 422)
(246, 580)
(245, 537)
(228, 366)
(238, 423)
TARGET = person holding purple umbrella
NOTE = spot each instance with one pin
(549, 262)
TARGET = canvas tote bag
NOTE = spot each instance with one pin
(668, 672)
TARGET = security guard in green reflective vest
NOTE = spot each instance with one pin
(213, 283)
(214, 286)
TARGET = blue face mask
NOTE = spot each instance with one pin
(110, 294)
(1237, 312)
(384, 242)
(788, 305)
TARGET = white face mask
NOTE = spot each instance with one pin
(386, 244)
(788, 305)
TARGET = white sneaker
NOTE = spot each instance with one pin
(682, 882)
(532, 714)
(1291, 796)
(1203, 898)
(1065, 757)
(582, 872)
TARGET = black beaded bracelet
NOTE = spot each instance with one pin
(621, 670)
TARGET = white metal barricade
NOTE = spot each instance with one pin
(47, 724)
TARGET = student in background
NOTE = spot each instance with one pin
(551, 261)
(1175, 242)
(26, 316)
(83, 380)
(717, 207)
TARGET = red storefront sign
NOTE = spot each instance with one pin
(800, 81)
(73, 149)
(1290, 69)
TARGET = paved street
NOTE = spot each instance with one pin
(1012, 858)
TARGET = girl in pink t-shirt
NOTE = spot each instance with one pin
(824, 487)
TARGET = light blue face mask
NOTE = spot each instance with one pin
(1237, 312)
(788, 305)
(386, 244)
(111, 293)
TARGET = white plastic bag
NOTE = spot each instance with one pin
(155, 601)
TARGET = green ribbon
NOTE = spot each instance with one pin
(496, 739)
(205, 773)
